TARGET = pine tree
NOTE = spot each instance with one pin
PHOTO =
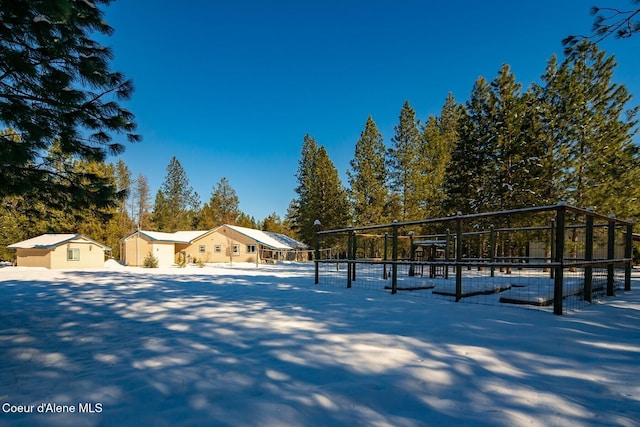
(468, 173)
(331, 197)
(516, 163)
(405, 164)
(124, 184)
(141, 214)
(274, 223)
(439, 135)
(176, 202)
(368, 177)
(223, 207)
(160, 216)
(321, 195)
(550, 133)
(602, 166)
(57, 86)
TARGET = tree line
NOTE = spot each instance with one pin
(175, 207)
(569, 138)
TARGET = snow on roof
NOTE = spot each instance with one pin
(158, 235)
(260, 237)
(177, 237)
(50, 241)
(287, 240)
(189, 236)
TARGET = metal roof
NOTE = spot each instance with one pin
(50, 241)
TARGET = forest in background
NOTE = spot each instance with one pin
(570, 139)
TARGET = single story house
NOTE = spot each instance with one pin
(164, 246)
(221, 244)
(60, 251)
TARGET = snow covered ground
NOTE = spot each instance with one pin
(263, 346)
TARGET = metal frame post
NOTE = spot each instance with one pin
(492, 244)
(394, 258)
(349, 250)
(354, 251)
(628, 254)
(317, 224)
(588, 257)
(384, 264)
(553, 245)
(558, 293)
(611, 254)
(459, 257)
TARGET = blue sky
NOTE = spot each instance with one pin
(231, 87)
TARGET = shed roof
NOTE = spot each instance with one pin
(51, 241)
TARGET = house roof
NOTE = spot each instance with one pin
(50, 241)
(289, 241)
(177, 237)
(260, 237)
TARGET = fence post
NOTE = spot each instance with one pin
(317, 225)
(349, 250)
(611, 254)
(446, 254)
(628, 253)
(459, 256)
(558, 293)
(492, 244)
(354, 251)
(588, 257)
(394, 258)
(553, 245)
(384, 264)
(411, 255)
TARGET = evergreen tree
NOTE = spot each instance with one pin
(176, 202)
(468, 173)
(602, 166)
(247, 221)
(161, 214)
(321, 195)
(551, 185)
(124, 184)
(622, 23)
(405, 164)
(57, 86)
(516, 161)
(368, 177)
(439, 137)
(141, 214)
(274, 223)
(223, 208)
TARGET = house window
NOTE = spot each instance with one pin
(73, 254)
(202, 249)
(251, 249)
(217, 249)
(235, 249)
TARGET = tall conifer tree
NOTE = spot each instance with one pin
(404, 162)
(368, 177)
(468, 172)
(57, 87)
(516, 162)
(222, 208)
(321, 195)
(176, 202)
(602, 166)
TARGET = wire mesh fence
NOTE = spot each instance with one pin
(556, 258)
